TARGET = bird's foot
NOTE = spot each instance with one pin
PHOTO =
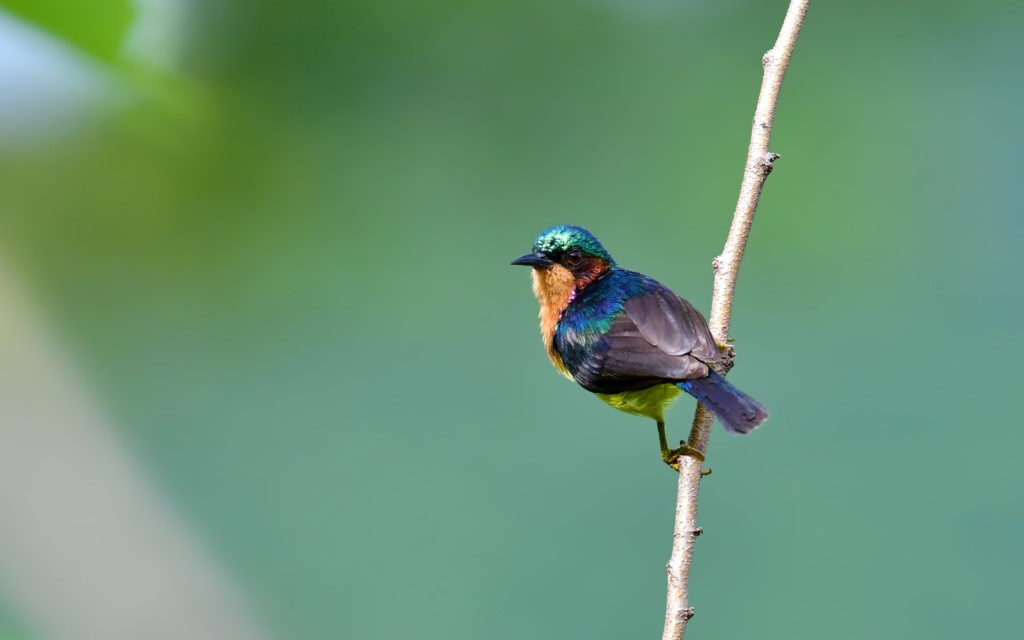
(671, 456)
(727, 350)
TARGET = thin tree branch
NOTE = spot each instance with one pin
(726, 267)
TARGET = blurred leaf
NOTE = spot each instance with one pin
(97, 27)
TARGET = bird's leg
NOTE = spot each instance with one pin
(671, 456)
(728, 354)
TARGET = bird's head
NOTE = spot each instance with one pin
(565, 259)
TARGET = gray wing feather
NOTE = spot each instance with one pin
(672, 324)
(658, 337)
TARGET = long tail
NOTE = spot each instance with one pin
(738, 412)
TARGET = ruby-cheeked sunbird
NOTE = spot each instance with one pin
(628, 338)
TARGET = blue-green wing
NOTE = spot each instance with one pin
(651, 338)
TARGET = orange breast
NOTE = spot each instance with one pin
(554, 289)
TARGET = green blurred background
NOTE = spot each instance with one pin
(275, 239)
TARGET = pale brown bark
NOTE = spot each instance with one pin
(726, 268)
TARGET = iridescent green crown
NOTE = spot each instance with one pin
(564, 237)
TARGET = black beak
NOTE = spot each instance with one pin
(534, 260)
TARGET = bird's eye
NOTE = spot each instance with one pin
(574, 257)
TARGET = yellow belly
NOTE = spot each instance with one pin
(650, 403)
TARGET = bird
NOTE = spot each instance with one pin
(627, 338)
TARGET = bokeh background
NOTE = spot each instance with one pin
(266, 246)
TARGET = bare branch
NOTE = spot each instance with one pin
(726, 268)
